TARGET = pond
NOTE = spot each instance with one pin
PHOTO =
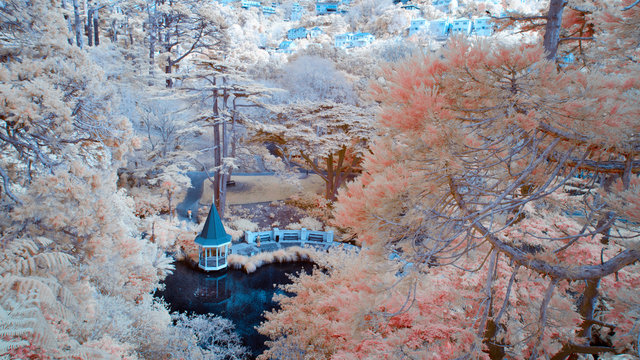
(235, 295)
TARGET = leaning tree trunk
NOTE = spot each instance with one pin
(68, 21)
(552, 30)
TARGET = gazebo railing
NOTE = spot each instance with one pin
(213, 258)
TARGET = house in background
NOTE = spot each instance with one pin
(439, 28)
(351, 40)
(410, 7)
(297, 33)
(296, 12)
(362, 39)
(316, 31)
(461, 26)
(343, 41)
(442, 28)
(482, 26)
(330, 7)
(286, 47)
(269, 10)
(416, 26)
(247, 4)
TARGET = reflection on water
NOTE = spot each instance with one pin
(232, 294)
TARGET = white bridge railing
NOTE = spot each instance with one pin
(277, 235)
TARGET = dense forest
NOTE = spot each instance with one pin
(490, 182)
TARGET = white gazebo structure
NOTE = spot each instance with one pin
(213, 243)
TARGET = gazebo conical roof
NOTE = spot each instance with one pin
(213, 233)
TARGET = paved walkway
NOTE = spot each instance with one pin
(194, 193)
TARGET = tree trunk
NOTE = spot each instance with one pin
(90, 27)
(552, 30)
(328, 194)
(225, 176)
(216, 152)
(68, 21)
(114, 32)
(233, 134)
(223, 193)
(152, 41)
(130, 30)
(167, 70)
(216, 158)
(496, 351)
(96, 29)
(587, 306)
(77, 24)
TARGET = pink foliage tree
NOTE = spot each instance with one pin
(506, 187)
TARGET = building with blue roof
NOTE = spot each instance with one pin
(316, 31)
(297, 33)
(286, 47)
(213, 243)
(411, 7)
(328, 7)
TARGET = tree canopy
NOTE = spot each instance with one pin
(497, 210)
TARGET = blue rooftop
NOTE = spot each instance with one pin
(213, 233)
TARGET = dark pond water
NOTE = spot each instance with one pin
(235, 295)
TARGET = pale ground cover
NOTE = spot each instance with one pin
(263, 188)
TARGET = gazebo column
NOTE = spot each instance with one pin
(217, 256)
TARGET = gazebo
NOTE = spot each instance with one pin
(213, 243)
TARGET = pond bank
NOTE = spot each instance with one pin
(249, 257)
(232, 294)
